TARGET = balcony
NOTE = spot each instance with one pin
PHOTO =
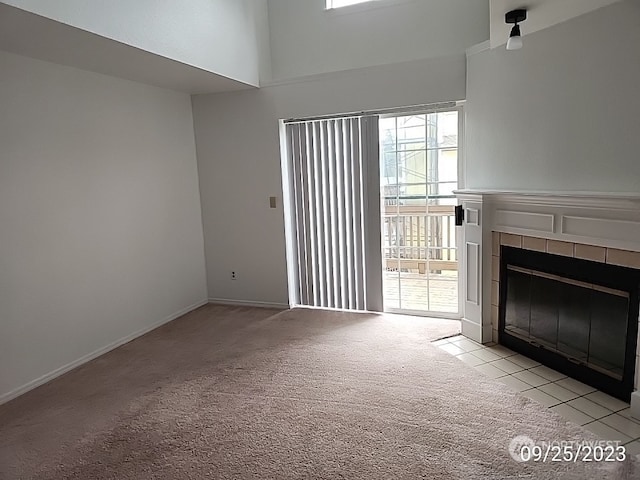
(420, 262)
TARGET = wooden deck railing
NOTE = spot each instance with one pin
(417, 238)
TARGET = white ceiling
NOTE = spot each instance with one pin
(541, 14)
(34, 36)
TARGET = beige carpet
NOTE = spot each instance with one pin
(236, 393)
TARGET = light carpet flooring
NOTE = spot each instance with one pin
(235, 393)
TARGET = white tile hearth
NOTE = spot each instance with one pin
(548, 373)
(633, 448)
(508, 367)
(590, 408)
(605, 431)
(523, 361)
(575, 386)
(607, 401)
(466, 344)
(490, 371)
(541, 397)
(470, 359)
(622, 424)
(598, 412)
(501, 351)
(514, 383)
(452, 349)
(487, 355)
(559, 392)
(531, 378)
(572, 414)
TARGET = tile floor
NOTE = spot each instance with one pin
(598, 412)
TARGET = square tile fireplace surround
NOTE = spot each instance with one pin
(592, 226)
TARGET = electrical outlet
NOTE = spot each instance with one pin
(234, 276)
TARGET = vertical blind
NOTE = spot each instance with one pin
(334, 213)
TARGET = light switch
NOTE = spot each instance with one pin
(272, 202)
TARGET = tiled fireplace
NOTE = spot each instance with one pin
(578, 324)
(593, 231)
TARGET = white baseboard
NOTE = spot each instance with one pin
(471, 330)
(635, 405)
(4, 398)
(249, 303)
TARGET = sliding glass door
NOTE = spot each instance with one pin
(418, 174)
(369, 212)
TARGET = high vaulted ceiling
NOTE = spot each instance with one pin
(246, 42)
(38, 37)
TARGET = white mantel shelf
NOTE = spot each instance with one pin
(615, 200)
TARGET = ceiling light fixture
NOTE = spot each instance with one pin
(515, 38)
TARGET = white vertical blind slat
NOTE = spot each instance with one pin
(300, 214)
(308, 286)
(333, 167)
(356, 189)
(371, 226)
(319, 214)
(342, 287)
(312, 259)
(290, 209)
(348, 218)
(326, 219)
(335, 213)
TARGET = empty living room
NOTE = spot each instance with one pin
(282, 239)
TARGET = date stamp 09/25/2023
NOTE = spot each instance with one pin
(524, 449)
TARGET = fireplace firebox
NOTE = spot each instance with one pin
(576, 316)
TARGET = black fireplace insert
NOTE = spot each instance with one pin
(576, 316)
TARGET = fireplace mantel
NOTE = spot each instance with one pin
(577, 199)
(610, 220)
(598, 219)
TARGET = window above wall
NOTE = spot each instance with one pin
(344, 3)
(361, 5)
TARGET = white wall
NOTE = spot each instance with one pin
(219, 36)
(562, 113)
(239, 161)
(541, 14)
(100, 218)
(307, 39)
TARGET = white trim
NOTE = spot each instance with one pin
(471, 330)
(423, 313)
(600, 228)
(248, 303)
(537, 222)
(478, 48)
(597, 200)
(473, 258)
(473, 217)
(95, 354)
(393, 112)
(635, 405)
